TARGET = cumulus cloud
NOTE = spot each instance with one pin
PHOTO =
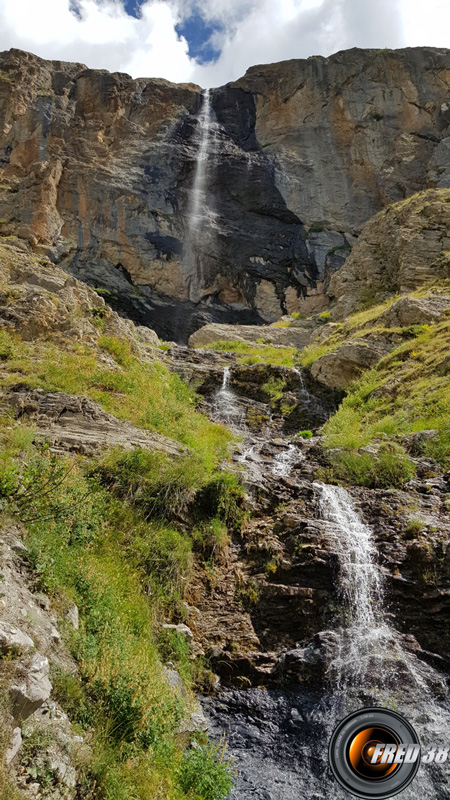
(101, 34)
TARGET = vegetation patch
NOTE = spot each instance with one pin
(259, 353)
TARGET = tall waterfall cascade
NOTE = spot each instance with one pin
(200, 214)
(197, 208)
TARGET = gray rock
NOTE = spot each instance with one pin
(337, 370)
(12, 639)
(296, 336)
(184, 630)
(175, 680)
(73, 617)
(35, 688)
(79, 425)
(414, 311)
(15, 745)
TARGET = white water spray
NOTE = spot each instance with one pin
(225, 407)
(197, 210)
(284, 462)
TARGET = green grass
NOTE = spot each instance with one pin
(147, 395)
(407, 392)
(102, 533)
(91, 542)
(259, 353)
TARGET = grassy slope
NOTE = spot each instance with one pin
(408, 391)
(99, 534)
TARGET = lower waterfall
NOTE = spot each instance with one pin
(278, 738)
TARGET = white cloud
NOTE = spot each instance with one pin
(426, 23)
(103, 35)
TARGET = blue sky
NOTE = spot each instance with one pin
(211, 42)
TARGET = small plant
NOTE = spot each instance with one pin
(205, 773)
(339, 247)
(316, 228)
(304, 434)
(413, 528)
(325, 315)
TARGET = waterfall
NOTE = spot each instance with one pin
(225, 407)
(198, 196)
(370, 652)
(364, 638)
(284, 461)
(200, 222)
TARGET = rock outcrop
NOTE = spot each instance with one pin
(75, 424)
(97, 171)
(401, 248)
(297, 334)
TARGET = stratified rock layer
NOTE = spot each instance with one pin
(97, 169)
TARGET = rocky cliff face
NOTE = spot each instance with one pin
(98, 170)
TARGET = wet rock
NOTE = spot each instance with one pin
(13, 640)
(309, 664)
(33, 690)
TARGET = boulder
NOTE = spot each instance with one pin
(28, 694)
(414, 311)
(338, 370)
(13, 640)
(295, 336)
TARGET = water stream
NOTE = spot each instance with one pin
(279, 737)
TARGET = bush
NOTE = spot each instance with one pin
(413, 528)
(205, 773)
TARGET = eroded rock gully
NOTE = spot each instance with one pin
(274, 615)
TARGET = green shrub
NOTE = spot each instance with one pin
(304, 434)
(222, 498)
(316, 228)
(274, 388)
(174, 647)
(205, 773)
(6, 346)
